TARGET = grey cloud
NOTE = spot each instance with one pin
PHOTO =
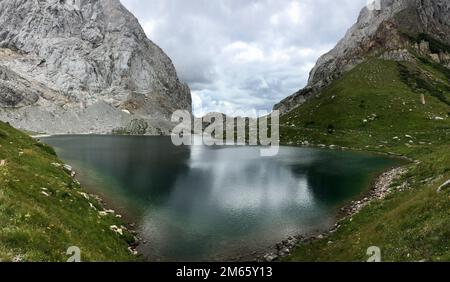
(244, 54)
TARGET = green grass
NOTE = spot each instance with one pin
(36, 227)
(375, 107)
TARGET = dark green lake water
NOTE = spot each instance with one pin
(205, 204)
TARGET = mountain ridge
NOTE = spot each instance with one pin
(385, 32)
(396, 101)
(91, 65)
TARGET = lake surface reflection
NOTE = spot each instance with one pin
(204, 203)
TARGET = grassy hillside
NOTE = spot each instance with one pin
(375, 107)
(378, 107)
(43, 211)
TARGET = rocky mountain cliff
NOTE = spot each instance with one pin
(83, 66)
(392, 30)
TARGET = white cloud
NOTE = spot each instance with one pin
(294, 12)
(242, 55)
(149, 26)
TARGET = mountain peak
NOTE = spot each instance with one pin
(384, 30)
(92, 65)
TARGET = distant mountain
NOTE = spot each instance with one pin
(83, 66)
(392, 32)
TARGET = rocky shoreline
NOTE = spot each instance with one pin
(380, 189)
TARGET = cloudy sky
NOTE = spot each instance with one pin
(244, 55)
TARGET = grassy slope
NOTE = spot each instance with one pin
(409, 225)
(34, 227)
(368, 108)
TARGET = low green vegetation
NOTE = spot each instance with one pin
(378, 107)
(43, 210)
(135, 127)
(435, 45)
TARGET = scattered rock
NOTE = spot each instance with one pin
(2, 162)
(18, 258)
(380, 190)
(444, 186)
(86, 196)
(69, 170)
(270, 257)
(116, 229)
(285, 252)
(102, 213)
(133, 251)
(400, 55)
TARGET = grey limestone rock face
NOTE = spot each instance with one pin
(135, 127)
(82, 66)
(14, 91)
(377, 32)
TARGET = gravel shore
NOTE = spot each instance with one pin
(380, 189)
